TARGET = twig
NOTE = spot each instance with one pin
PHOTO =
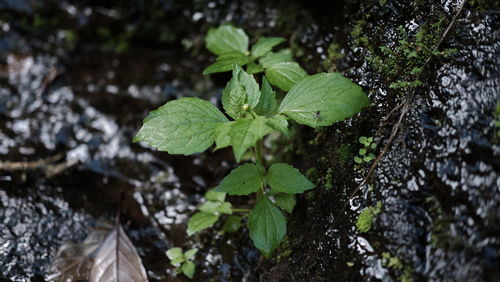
(54, 169)
(394, 131)
(13, 166)
(392, 111)
(395, 128)
(448, 29)
(47, 165)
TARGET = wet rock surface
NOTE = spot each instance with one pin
(76, 81)
(439, 181)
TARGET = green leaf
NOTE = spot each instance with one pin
(210, 207)
(362, 152)
(267, 103)
(363, 140)
(322, 99)
(279, 123)
(188, 269)
(226, 61)
(358, 160)
(285, 74)
(287, 179)
(267, 226)
(175, 255)
(226, 39)
(369, 158)
(216, 208)
(286, 201)
(222, 139)
(212, 195)
(225, 208)
(232, 224)
(245, 133)
(189, 255)
(200, 221)
(241, 93)
(264, 45)
(243, 180)
(184, 126)
(177, 261)
(272, 58)
(253, 68)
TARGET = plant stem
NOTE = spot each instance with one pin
(258, 153)
(240, 210)
(260, 193)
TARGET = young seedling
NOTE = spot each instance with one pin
(183, 262)
(210, 211)
(191, 125)
(364, 154)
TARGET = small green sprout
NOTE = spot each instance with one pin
(364, 154)
(183, 262)
(209, 212)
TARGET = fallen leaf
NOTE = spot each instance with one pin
(74, 261)
(117, 260)
(106, 255)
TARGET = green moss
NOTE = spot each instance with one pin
(396, 264)
(390, 261)
(365, 219)
(359, 38)
(333, 55)
(312, 173)
(406, 276)
(402, 63)
(344, 153)
(310, 195)
(284, 250)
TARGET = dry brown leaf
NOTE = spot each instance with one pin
(117, 260)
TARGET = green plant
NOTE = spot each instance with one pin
(364, 154)
(183, 262)
(230, 44)
(191, 125)
(401, 63)
(365, 219)
(391, 261)
(396, 264)
(211, 210)
(333, 54)
(344, 153)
